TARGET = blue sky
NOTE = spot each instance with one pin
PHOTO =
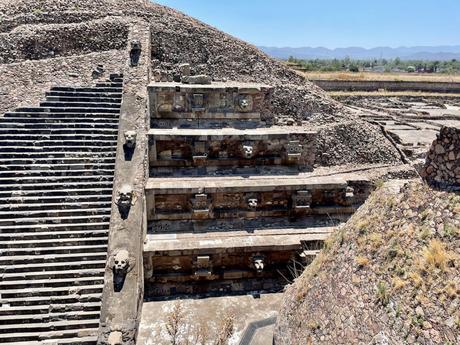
(331, 23)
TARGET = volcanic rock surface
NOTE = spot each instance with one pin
(390, 276)
(43, 30)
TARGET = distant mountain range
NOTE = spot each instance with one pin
(405, 53)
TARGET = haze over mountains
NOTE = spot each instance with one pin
(441, 53)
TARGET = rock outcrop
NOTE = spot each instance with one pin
(390, 276)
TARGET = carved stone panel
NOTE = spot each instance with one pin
(207, 100)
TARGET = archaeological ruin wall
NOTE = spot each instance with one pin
(442, 167)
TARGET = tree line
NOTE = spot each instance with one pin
(377, 65)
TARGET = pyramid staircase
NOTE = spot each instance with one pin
(56, 173)
(232, 201)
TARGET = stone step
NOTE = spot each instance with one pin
(38, 124)
(91, 215)
(39, 118)
(109, 84)
(59, 131)
(23, 244)
(45, 309)
(23, 200)
(44, 267)
(100, 216)
(50, 235)
(51, 282)
(7, 181)
(74, 155)
(9, 217)
(73, 298)
(32, 166)
(62, 193)
(46, 318)
(85, 105)
(86, 159)
(73, 337)
(51, 150)
(67, 110)
(86, 100)
(53, 274)
(49, 331)
(94, 248)
(84, 226)
(88, 89)
(48, 118)
(26, 137)
(47, 258)
(56, 144)
(52, 291)
(68, 173)
(67, 188)
(56, 205)
(86, 340)
(79, 94)
(27, 189)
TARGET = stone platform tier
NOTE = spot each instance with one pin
(230, 263)
(56, 171)
(228, 150)
(232, 203)
(201, 198)
(209, 105)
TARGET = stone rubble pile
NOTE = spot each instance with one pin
(442, 165)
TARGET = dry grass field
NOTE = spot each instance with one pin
(381, 76)
(384, 93)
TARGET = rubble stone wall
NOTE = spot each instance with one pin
(442, 167)
(34, 42)
(31, 79)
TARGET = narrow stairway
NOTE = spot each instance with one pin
(56, 173)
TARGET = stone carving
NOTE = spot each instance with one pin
(201, 206)
(203, 266)
(198, 102)
(117, 335)
(98, 71)
(115, 338)
(200, 154)
(121, 263)
(258, 262)
(130, 139)
(294, 151)
(253, 203)
(350, 192)
(135, 53)
(125, 200)
(184, 70)
(201, 79)
(301, 200)
(245, 103)
(248, 151)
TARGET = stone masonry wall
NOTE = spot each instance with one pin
(442, 167)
